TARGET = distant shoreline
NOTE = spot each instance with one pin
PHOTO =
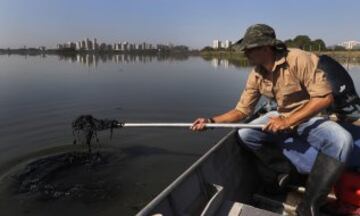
(72, 52)
(341, 54)
(349, 53)
(234, 58)
(238, 58)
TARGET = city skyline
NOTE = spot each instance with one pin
(94, 44)
(192, 23)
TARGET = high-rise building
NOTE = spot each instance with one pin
(88, 44)
(70, 44)
(132, 46)
(139, 46)
(125, 45)
(78, 45)
(216, 44)
(116, 46)
(95, 44)
(83, 44)
(349, 44)
(227, 44)
(102, 46)
(146, 46)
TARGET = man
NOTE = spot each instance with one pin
(301, 90)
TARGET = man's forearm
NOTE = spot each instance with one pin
(312, 108)
(228, 117)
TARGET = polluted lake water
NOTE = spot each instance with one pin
(86, 172)
(67, 176)
(42, 96)
(85, 129)
(89, 177)
(70, 175)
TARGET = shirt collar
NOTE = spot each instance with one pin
(279, 60)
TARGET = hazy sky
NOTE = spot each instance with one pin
(190, 22)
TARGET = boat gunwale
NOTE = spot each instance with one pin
(180, 179)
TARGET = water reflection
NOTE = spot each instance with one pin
(40, 98)
(350, 63)
(225, 63)
(215, 62)
(92, 60)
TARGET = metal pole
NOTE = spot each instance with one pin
(176, 125)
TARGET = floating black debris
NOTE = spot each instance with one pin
(87, 126)
(70, 176)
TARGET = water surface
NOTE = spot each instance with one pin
(41, 96)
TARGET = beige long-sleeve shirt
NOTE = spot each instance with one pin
(293, 81)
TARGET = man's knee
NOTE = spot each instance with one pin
(244, 134)
(248, 137)
(345, 145)
(254, 138)
(342, 142)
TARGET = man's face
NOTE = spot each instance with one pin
(257, 55)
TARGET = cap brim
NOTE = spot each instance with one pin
(280, 45)
(241, 46)
(238, 45)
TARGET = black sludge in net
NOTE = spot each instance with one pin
(87, 126)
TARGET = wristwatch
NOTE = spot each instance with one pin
(211, 120)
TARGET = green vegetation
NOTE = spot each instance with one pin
(235, 58)
(304, 42)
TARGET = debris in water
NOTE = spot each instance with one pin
(87, 126)
(70, 176)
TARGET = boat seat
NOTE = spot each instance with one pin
(284, 204)
(217, 205)
(230, 208)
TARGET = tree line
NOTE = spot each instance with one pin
(303, 42)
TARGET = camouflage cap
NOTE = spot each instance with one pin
(256, 36)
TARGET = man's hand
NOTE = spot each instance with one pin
(230, 116)
(199, 124)
(276, 124)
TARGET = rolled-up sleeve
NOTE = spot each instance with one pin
(250, 96)
(313, 78)
(317, 85)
